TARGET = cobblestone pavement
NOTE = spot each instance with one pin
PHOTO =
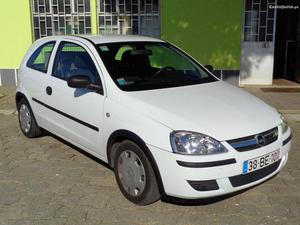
(7, 98)
(45, 181)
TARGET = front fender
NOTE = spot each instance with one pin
(147, 129)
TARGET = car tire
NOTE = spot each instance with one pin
(134, 174)
(27, 121)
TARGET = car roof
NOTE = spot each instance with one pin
(102, 39)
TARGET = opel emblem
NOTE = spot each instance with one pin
(260, 140)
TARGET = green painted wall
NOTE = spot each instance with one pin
(16, 36)
(208, 30)
(94, 19)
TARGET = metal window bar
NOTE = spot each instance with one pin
(54, 17)
(259, 20)
(129, 17)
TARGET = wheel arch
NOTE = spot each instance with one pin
(19, 95)
(121, 135)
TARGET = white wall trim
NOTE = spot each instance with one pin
(16, 77)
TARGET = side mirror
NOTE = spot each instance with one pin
(210, 68)
(82, 81)
(79, 81)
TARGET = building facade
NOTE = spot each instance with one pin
(237, 37)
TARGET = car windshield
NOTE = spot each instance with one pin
(136, 66)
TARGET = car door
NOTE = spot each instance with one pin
(76, 114)
(36, 74)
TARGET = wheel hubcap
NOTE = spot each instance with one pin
(25, 118)
(131, 173)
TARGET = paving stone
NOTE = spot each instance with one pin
(11, 212)
(232, 219)
(10, 198)
(17, 222)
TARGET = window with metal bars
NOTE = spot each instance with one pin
(259, 20)
(59, 17)
(129, 17)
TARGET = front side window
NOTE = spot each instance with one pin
(40, 58)
(72, 59)
(138, 66)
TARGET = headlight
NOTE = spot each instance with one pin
(190, 143)
(284, 126)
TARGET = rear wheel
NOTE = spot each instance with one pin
(27, 121)
(134, 174)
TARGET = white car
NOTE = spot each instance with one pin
(163, 122)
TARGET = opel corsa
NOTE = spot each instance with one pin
(164, 123)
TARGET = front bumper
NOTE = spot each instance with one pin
(190, 182)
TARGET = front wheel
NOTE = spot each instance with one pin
(134, 174)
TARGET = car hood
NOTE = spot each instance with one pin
(217, 109)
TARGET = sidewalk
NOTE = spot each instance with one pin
(287, 103)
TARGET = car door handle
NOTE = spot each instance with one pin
(49, 90)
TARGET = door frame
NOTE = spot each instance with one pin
(262, 44)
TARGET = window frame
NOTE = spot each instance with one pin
(74, 43)
(33, 55)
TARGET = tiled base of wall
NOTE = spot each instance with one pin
(8, 76)
(230, 76)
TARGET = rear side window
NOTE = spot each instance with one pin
(72, 59)
(40, 58)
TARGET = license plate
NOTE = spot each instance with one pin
(261, 162)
